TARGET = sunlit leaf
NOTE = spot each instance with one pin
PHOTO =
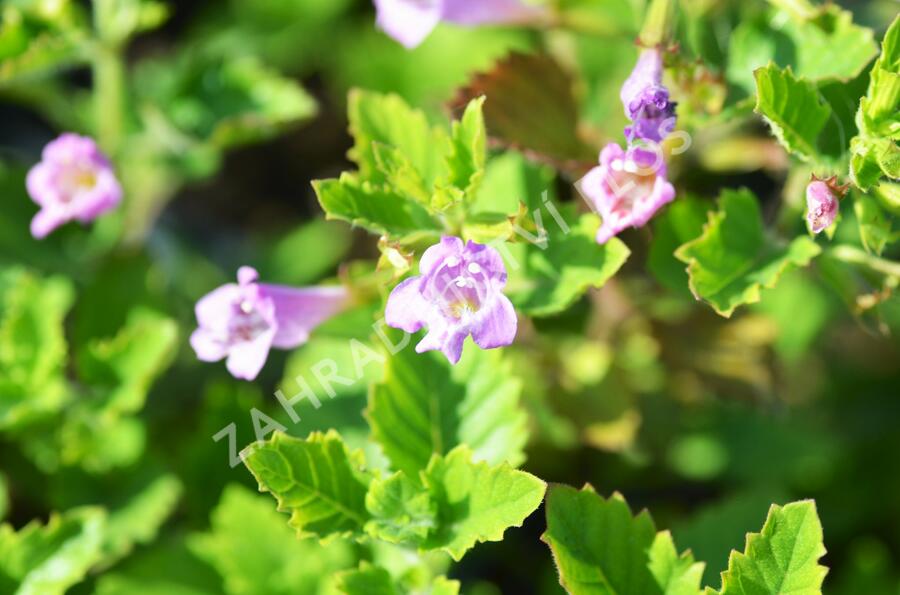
(601, 549)
(424, 406)
(734, 260)
(315, 480)
(477, 502)
(782, 558)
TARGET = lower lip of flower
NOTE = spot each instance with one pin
(77, 180)
(247, 324)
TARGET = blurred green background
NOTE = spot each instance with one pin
(229, 110)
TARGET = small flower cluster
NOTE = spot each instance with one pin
(411, 21)
(630, 186)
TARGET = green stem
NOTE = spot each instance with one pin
(854, 255)
(659, 23)
(109, 79)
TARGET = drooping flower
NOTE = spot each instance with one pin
(626, 189)
(822, 202)
(73, 181)
(646, 100)
(243, 321)
(459, 292)
(411, 21)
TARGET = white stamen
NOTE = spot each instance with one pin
(631, 167)
(246, 307)
(451, 261)
(474, 268)
(616, 165)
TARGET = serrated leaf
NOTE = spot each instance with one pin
(600, 548)
(255, 551)
(477, 502)
(48, 559)
(546, 276)
(376, 209)
(468, 149)
(388, 120)
(425, 406)
(402, 510)
(794, 109)
(315, 480)
(874, 151)
(783, 558)
(32, 346)
(733, 260)
(138, 522)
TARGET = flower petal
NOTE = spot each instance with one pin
(446, 338)
(408, 21)
(214, 310)
(406, 309)
(46, 221)
(246, 359)
(299, 311)
(478, 12)
(207, 346)
(496, 325)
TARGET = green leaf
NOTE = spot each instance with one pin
(874, 152)
(477, 502)
(783, 558)
(680, 223)
(547, 276)
(388, 120)
(793, 108)
(374, 580)
(32, 346)
(218, 102)
(140, 519)
(675, 574)
(48, 559)
(122, 369)
(366, 580)
(425, 406)
(830, 45)
(468, 149)
(256, 552)
(601, 549)
(733, 260)
(378, 210)
(402, 510)
(315, 479)
(874, 224)
(37, 39)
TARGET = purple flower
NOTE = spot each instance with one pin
(822, 203)
(626, 189)
(242, 322)
(411, 21)
(458, 293)
(646, 100)
(74, 180)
